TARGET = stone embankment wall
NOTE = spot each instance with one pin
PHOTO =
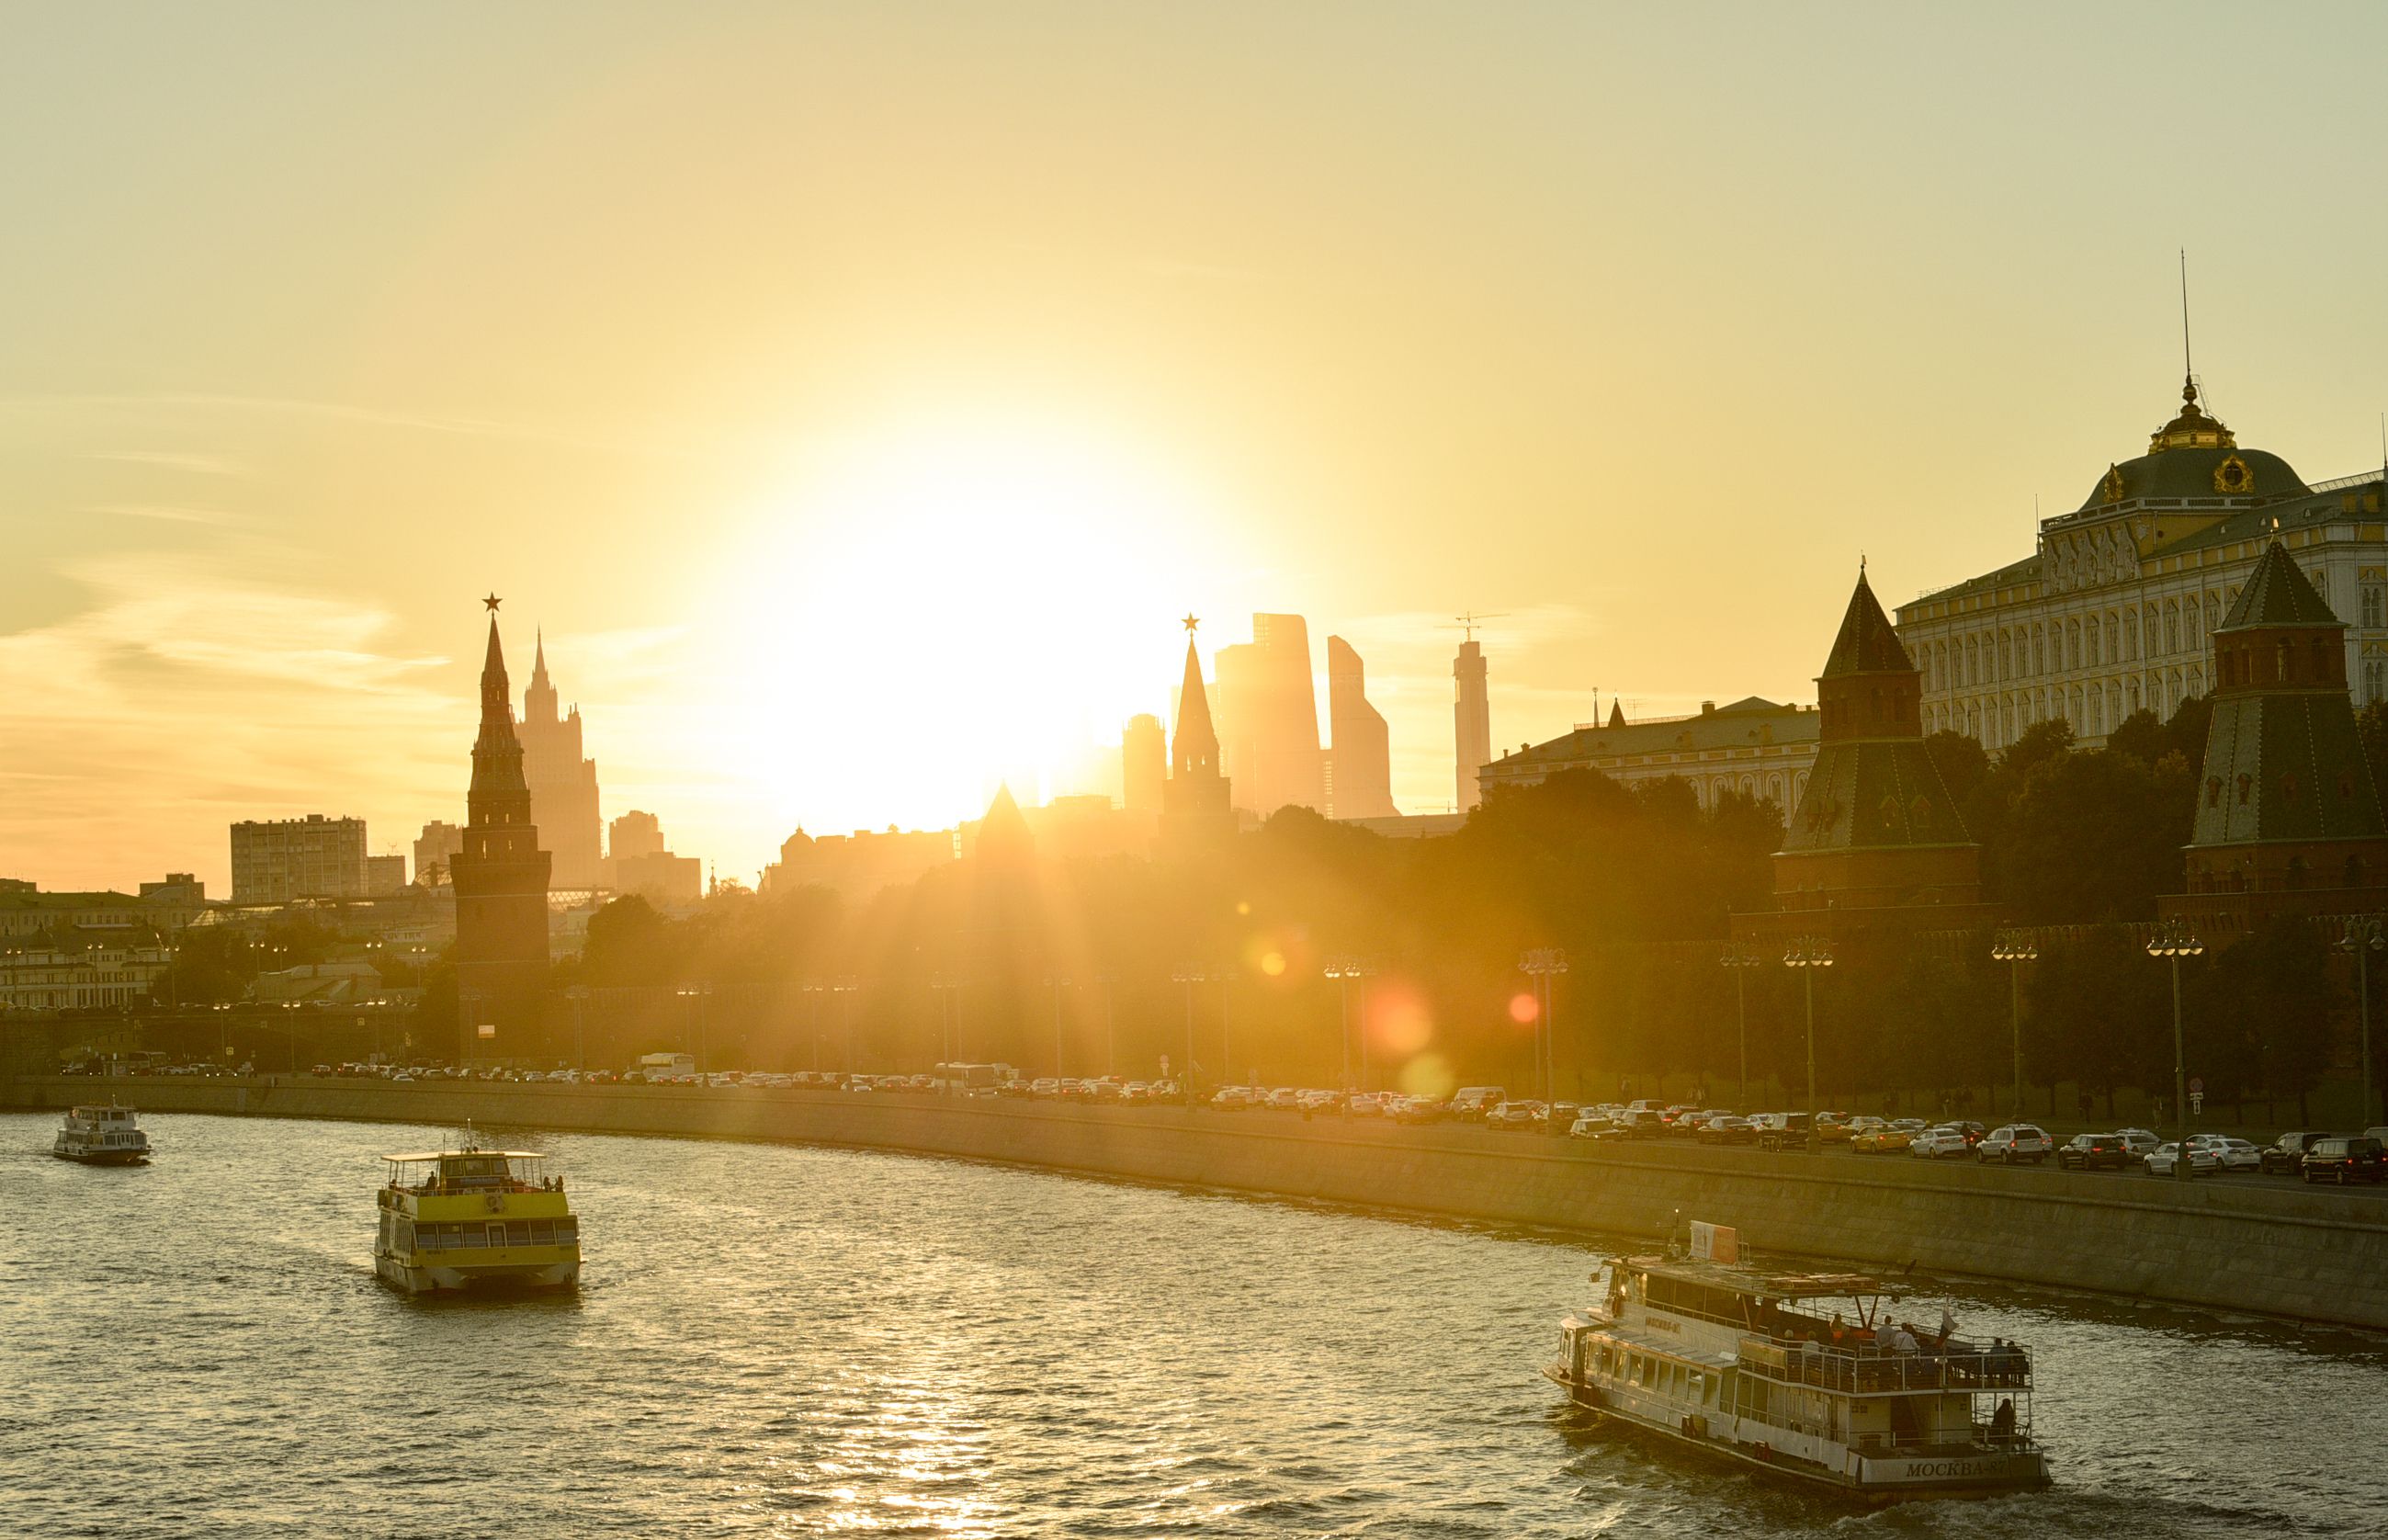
(2231, 1244)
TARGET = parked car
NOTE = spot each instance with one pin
(1477, 1101)
(1940, 1143)
(2236, 1154)
(2288, 1151)
(2138, 1141)
(1516, 1115)
(1632, 1123)
(2014, 1141)
(1847, 1132)
(1782, 1130)
(2163, 1161)
(2090, 1151)
(1233, 1099)
(1590, 1126)
(1884, 1141)
(2351, 1159)
(1727, 1130)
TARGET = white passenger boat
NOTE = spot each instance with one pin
(102, 1136)
(1805, 1375)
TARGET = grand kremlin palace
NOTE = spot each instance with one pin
(2112, 614)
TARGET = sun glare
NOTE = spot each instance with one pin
(954, 607)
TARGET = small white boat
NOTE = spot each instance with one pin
(102, 1136)
(1762, 1368)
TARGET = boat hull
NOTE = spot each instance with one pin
(1874, 1480)
(102, 1157)
(443, 1277)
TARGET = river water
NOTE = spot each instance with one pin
(784, 1340)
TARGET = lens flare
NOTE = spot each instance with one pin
(1430, 1074)
(1398, 1023)
(1523, 1008)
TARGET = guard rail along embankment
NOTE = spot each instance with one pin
(2231, 1243)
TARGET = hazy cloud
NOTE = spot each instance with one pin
(198, 465)
(167, 514)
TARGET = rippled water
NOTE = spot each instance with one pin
(777, 1340)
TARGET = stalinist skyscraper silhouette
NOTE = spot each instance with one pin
(563, 782)
(501, 879)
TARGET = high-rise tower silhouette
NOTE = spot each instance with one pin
(1471, 720)
(1268, 717)
(1359, 764)
(563, 784)
(501, 880)
(1144, 764)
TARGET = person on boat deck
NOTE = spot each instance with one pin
(1840, 1329)
(1904, 1341)
(2002, 1421)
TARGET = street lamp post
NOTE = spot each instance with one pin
(698, 993)
(2174, 940)
(1343, 969)
(1741, 961)
(1539, 964)
(2362, 939)
(1188, 976)
(844, 987)
(1111, 1033)
(1059, 985)
(1808, 953)
(578, 995)
(2016, 948)
(1223, 975)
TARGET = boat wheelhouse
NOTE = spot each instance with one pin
(102, 1136)
(456, 1219)
(1807, 1376)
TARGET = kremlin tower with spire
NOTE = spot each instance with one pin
(1194, 803)
(501, 879)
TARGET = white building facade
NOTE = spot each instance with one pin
(2112, 615)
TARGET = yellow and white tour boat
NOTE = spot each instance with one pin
(471, 1218)
(1805, 1375)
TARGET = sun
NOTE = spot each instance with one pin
(936, 606)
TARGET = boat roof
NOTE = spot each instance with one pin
(1751, 1279)
(450, 1154)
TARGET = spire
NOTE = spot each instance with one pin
(1615, 713)
(498, 782)
(539, 701)
(1197, 749)
(1866, 644)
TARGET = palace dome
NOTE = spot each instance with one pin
(2195, 458)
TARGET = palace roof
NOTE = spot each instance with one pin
(1750, 722)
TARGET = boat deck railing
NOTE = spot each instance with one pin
(1869, 1370)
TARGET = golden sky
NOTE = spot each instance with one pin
(856, 394)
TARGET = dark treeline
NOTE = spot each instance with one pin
(1101, 966)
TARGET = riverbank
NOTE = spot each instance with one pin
(2316, 1255)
